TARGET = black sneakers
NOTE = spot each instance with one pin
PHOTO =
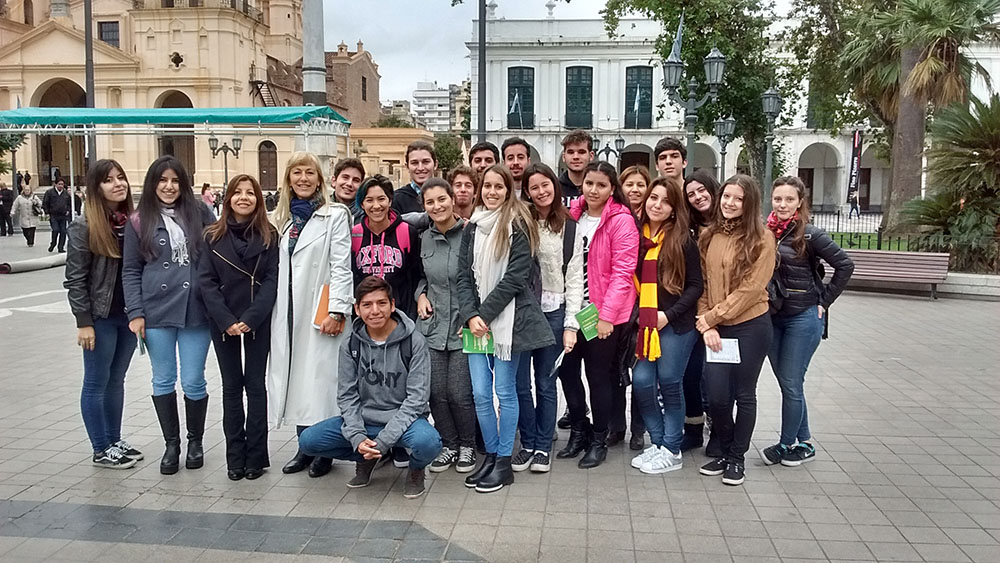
(414, 484)
(363, 473)
(715, 467)
(128, 450)
(540, 463)
(466, 460)
(113, 458)
(774, 454)
(400, 459)
(735, 474)
(800, 454)
(444, 460)
(522, 460)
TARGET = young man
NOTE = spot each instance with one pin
(517, 157)
(58, 205)
(671, 159)
(383, 393)
(577, 153)
(347, 176)
(482, 155)
(421, 162)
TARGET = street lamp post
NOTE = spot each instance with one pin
(771, 101)
(225, 149)
(607, 151)
(673, 70)
(724, 130)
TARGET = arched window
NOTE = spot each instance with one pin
(267, 165)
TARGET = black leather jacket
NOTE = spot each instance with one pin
(801, 276)
(90, 278)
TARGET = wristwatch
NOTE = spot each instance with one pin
(339, 317)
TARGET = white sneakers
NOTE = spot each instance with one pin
(656, 459)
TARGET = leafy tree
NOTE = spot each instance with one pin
(8, 143)
(962, 214)
(391, 121)
(449, 151)
(739, 29)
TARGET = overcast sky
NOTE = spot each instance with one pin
(416, 40)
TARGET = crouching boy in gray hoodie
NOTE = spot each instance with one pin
(383, 393)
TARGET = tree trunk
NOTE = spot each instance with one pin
(907, 145)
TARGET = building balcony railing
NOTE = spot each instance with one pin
(520, 120)
(242, 6)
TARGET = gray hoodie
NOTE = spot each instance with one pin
(375, 388)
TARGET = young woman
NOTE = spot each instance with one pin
(670, 283)
(310, 313)
(635, 181)
(798, 318)
(27, 209)
(385, 246)
(737, 256)
(701, 191)
(560, 257)
(463, 182)
(238, 273)
(496, 299)
(611, 250)
(438, 320)
(96, 297)
(165, 309)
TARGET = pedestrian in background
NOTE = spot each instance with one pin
(163, 240)
(6, 205)
(27, 209)
(58, 205)
(97, 298)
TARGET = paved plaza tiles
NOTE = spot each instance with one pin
(904, 404)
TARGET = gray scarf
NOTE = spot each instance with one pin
(178, 240)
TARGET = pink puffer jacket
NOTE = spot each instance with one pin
(611, 261)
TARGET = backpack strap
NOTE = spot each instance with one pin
(357, 233)
(569, 240)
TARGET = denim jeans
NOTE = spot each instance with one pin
(796, 338)
(104, 370)
(189, 345)
(663, 380)
(489, 372)
(59, 229)
(537, 419)
(326, 439)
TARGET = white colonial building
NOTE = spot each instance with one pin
(548, 76)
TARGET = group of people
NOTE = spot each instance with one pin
(26, 209)
(361, 313)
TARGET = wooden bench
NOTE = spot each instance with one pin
(900, 267)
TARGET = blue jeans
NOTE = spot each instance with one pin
(326, 439)
(487, 372)
(663, 380)
(104, 370)
(189, 345)
(796, 338)
(537, 420)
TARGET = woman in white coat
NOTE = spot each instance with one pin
(314, 272)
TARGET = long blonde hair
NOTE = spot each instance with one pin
(282, 213)
(511, 210)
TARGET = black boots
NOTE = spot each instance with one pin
(495, 480)
(693, 436)
(320, 466)
(489, 462)
(170, 425)
(597, 452)
(301, 460)
(579, 438)
(194, 412)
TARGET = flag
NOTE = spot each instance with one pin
(19, 102)
(515, 105)
(675, 49)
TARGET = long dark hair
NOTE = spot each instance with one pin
(707, 179)
(749, 233)
(798, 233)
(558, 214)
(676, 233)
(259, 224)
(616, 186)
(187, 208)
(100, 236)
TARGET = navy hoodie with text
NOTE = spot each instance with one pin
(390, 256)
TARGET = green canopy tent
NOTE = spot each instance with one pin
(307, 122)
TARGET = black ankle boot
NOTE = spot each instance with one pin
(579, 437)
(596, 453)
(495, 480)
(693, 436)
(170, 425)
(320, 466)
(489, 461)
(194, 412)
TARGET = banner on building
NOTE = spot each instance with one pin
(855, 171)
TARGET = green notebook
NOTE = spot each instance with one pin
(473, 345)
(587, 319)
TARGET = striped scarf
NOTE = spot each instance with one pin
(647, 346)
